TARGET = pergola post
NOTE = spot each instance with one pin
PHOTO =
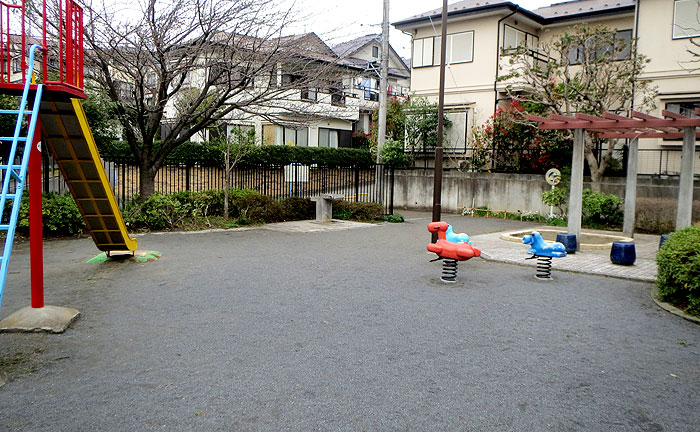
(576, 187)
(684, 210)
(631, 188)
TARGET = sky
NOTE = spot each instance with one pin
(337, 21)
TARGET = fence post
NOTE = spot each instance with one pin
(357, 183)
(187, 176)
(391, 191)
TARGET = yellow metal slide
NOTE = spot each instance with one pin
(67, 135)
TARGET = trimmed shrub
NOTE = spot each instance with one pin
(59, 213)
(678, 263)
(159, 212)
(259, 209)
(210, 154)
(295, 208)
(602, 209)
(361, 211)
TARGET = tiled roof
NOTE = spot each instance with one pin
(554, 12)
(349, 48)
(459, 6)
(577, 7)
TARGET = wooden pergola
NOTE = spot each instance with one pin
(638, 125)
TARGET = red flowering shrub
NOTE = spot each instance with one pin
(507, 142)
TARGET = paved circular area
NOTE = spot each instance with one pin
(343, 330)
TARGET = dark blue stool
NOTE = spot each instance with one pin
(664, 237)
(623, 253)
(569, 242)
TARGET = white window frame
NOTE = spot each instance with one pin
(422, 57)
(531, 41)
(679, 32)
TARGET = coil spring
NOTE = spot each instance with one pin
(544, 267)
(449, 270)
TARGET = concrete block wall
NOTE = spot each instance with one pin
(413, 189)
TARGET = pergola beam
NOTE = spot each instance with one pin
(615, 126)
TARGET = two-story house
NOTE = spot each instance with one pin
(480, 33)
(362, 56)
(325, 115)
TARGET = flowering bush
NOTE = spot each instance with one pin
(507, 142)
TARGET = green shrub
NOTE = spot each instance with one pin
(259, 209)
(361, 211)
(59, 213)
(295, 208)
(157, 213)
(210, 154)
(393, 154)
(557, 197)
(678, 263)
(601, 209)
(394, 218)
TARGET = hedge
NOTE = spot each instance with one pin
(211, 155)
(678, 263)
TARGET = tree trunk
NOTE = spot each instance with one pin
(147, 176)
(596, 179)
(226, 203)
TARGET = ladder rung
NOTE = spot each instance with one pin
(13, 138)
(11, 196)
(15, 112)
(4, 227)
(10, 166)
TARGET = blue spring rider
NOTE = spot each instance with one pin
(544, 252)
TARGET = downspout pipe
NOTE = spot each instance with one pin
(498, 54)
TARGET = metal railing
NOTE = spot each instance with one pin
(371, 184)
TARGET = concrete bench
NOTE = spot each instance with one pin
(324, 206)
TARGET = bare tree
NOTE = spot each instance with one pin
(592, 70)
(182, 66)
(234, 146)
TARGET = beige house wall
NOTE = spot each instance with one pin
(669, 68)
(471, 85)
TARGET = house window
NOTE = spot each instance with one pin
(456, 133)
(309, 94)
(370, 86)
(337, 97)
(513, 38)
(459, 49)
(16, 65)
(280, 135)
(375, 51)
(686, 18)
(217, 132)
(686, 108)
(327, 137)
(576, 55)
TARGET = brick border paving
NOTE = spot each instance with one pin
(496, 249)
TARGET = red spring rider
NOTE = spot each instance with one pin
(450, 252)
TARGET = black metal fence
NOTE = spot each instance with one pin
(373, 184)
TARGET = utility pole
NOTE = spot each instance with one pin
(437, 184)
(383, 86)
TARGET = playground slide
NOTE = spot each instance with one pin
(67, 135)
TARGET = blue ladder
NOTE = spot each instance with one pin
(10, 171)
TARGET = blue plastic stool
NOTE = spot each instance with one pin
(623, 253)
(664, 237)
(569, 242)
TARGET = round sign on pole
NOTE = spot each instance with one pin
(553, 176)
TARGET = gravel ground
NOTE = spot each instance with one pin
(348, 330)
